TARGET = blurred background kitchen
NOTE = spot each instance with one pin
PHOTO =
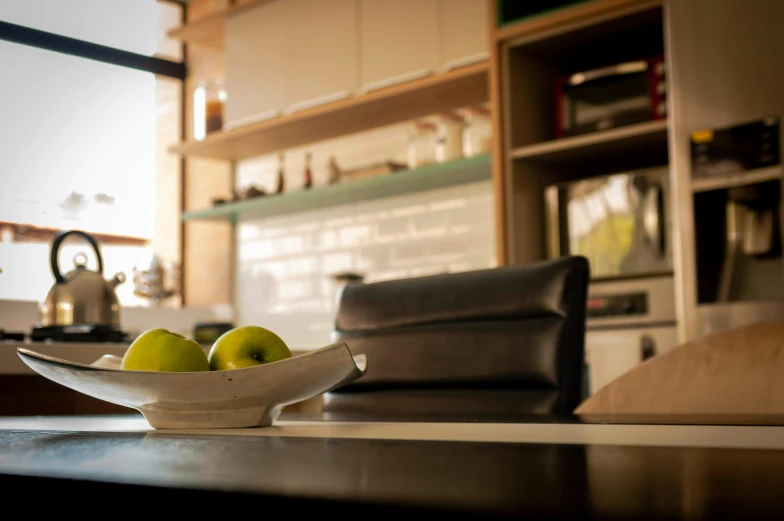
(240, 161)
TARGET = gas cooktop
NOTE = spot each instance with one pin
(77, 333)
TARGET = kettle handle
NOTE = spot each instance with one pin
(58, 240)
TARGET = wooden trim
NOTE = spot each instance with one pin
(234, 238)
(497, 152)
(464, 86)
(578, 12)
(743, 432)
(183, 165)
(31, 233)
(607, 139)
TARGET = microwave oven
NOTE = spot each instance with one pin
(613, 96)
(621, 222)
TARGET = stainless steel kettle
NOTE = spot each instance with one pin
(81, 296)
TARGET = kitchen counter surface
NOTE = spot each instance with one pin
(460, 470)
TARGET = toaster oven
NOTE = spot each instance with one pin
(613, 96)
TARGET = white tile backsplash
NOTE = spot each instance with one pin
(285, 262)
(284, 283)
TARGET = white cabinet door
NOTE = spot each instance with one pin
(321, 50)
(255, 64)
(399, 39)
(613, 352)
(463, 31)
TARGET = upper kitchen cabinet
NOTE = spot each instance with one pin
(301, 71)
(462, 31)
(398, 40)
(321, 51)
(256, 64)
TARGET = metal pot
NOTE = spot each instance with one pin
(81, 296)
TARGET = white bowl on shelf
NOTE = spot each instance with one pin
(249, 397)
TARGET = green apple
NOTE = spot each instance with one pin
(162, 350)
(246, 346)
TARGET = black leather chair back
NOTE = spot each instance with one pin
(497, 342)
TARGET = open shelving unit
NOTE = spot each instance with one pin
(388, 185)
(561, 15)
(706, 69)
(532, 54)
(355, 107)
(439, 92)
(631, 139)
(39, 233)
(733, 179)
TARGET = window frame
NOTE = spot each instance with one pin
(160, 67)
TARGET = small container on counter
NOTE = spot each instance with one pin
(421, 144)
(209, 98)
(208, 332)
(339, 281)
(449, 141)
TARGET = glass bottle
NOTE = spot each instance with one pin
(281, 176)
(421, 144)
(334, 170)
(449, 142)
(209, 98)
(477, 133)
(308, 172)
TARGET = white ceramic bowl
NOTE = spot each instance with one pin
(249, 397)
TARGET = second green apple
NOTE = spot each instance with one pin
(246, 346)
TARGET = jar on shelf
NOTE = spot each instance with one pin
(209, 99)
(478, 132)
(449, 140)
(421, 144)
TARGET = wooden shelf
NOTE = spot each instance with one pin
(563, 19)
(211, 29)
(465, 86)
(747, 177)
(397, 183)
(629, 139)
(22, 232)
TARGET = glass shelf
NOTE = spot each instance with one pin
(397, 183)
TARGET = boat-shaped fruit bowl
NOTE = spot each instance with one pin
(249, 397)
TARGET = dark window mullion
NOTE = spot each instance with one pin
(92, 51)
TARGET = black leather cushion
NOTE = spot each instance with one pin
(514, 329)
(512, 292)
(472, 354)
(458, 402)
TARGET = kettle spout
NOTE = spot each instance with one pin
(118, 279)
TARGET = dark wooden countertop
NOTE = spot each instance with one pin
(232, 475)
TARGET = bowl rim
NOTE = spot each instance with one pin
(23, 351)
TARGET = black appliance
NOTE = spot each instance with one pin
(620, 222)
(741, 147)
(81, 333)
(612, 96)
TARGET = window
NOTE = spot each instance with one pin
(84, 142)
